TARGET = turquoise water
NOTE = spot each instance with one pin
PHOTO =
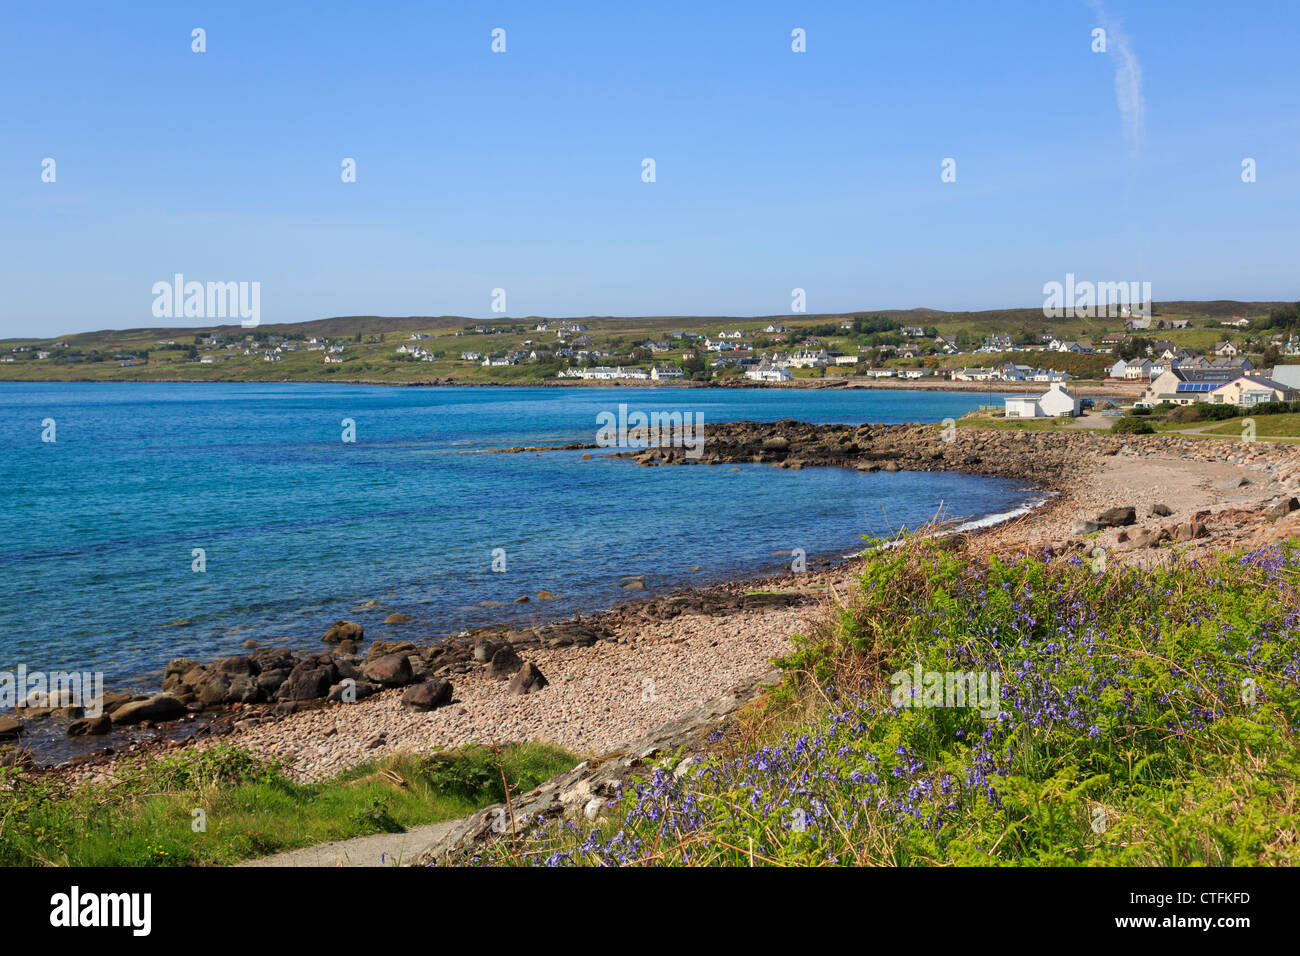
(299, 528)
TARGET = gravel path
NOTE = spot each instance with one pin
(380, 849)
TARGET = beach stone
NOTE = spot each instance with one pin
(1084, 526)
(1115, 517)
(10, 727)
(272, 659)
(891, 466)
(1233, 484)
(1283, 508)
(777, 443)
(157, 708)
(361, 690)
(1161, 511)
(344, 631)
(90, 726)
(180, 665)
(383, 648)
(306, 681)
(390, 670)
(236, 666)
(245, 690)
(427, 696)
(397, 618)
(505, 662)
(483, 651)
(271, 680)
(214, 689)
(112, 700)
(527, 680)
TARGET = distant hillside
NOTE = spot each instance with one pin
(988, 320)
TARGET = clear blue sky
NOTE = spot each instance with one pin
(522, 170)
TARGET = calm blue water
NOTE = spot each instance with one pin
(98, 528)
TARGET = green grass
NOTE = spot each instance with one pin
(1145, 718)
(1266, 426)
(252, 809)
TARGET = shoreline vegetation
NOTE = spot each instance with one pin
(1126, 510)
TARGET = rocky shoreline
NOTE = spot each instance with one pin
(575, 681)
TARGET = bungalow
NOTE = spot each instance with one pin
(1057, 402)
(879, 373)
(334, 359)
(208, 360)
(973, 374)
(1246, 392)
(776, 329)
(912, 331)
(846, 359)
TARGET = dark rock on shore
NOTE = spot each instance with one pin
(527, 680)
(10, 728)
(1117, 517)
(505, 662)
(427, 696)
(157, 708)
(90, 726)
(391, 670)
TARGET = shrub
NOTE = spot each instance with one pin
(1132, 426)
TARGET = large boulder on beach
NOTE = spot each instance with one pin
(344, 631)
(527, 680)
(90, 726)
(157, 708)
(214, 689)
(427, 696)
(10, 727)
(391, 670)
(505, 662)
(1117, 517)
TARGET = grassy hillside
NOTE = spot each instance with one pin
(1145, 717)
(368, 345)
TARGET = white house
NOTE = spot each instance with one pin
(1057, 402)
(661, 372)
(769, 373)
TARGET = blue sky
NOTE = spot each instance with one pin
(522, 170)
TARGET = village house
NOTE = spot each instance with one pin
(809, 358)
(663, 372)
(776, 329)
(471, 356)
(1187, 386)
(1226, 349)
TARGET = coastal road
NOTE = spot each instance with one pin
(380, 849)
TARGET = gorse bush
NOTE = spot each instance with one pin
(1144, 717)
(1132, 426)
